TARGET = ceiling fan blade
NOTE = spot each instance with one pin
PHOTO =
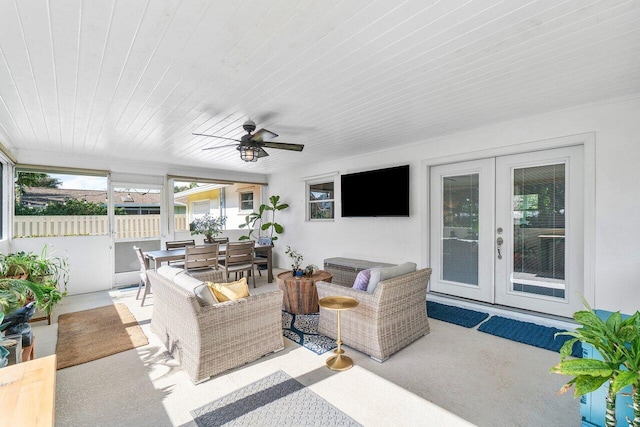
(283, 146)
(263, 134)
(262, 153)
(220, 146)
(214, 136)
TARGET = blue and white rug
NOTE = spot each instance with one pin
(303, 329)
(276, 400)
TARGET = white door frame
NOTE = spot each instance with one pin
(483, 290)
(589, 218)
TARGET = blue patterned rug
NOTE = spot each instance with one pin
(456, 315)
(303, 329)
(528, 333)
(276, 400)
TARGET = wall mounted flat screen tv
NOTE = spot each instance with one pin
(380, 192)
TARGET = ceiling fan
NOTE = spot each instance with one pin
(251, 145)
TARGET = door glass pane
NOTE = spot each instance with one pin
(460, 207)
(539, 230)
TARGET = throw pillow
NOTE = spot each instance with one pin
(380, 274)
(362, 280)
(205, 295)
(230, 291)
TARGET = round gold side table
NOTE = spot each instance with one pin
(338, 362)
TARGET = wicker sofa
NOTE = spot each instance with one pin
(206, 337)
(385, 321)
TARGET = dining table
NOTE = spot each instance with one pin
(160, 256)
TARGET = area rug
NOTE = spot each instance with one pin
(303, 329)
(528, 333)
(456, 315)
(276, 400)
(92, 334)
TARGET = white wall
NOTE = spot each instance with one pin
(616, 125)
(90, 259)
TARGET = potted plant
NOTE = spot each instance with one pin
(34, 277)
(296, 259)
(618, 342)
(14, 293)
(208, 225)
(261, 221)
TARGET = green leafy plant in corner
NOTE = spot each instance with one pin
(28, 276)
(260, 221)
(618, 342)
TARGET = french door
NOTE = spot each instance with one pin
(509, 230)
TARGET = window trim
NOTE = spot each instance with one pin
(253, 201)
(308, 202)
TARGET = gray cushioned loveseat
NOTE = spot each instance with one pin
(207, 337)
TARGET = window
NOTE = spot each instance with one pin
(60, 203)
(246, 201)
(320, 200)
(200, 209)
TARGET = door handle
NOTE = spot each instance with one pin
(499, 242)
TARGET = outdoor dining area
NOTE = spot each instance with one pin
(201, 260)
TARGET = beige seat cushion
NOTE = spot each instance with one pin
(380, 274)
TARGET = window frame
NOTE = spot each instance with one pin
(309, 203)
(240, 201)
(54, 170)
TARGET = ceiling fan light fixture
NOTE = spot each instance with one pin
(248, 154)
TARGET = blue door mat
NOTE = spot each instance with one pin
(528, 333)
(456, 315)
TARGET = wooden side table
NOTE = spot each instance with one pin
(299, 293)
(339, 362)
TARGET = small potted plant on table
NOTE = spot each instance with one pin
(296, 259)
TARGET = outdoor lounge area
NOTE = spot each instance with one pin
(509, 384)
(329, 174)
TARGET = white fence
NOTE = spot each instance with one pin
(126, 226)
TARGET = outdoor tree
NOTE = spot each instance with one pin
(179, 188)
(34, 179)
(68, 207)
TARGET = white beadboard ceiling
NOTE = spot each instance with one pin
(132, 79)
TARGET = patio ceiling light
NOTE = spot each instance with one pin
(248, 153)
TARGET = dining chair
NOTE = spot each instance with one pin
(238, 258)
(200, 261)
(178, 244)
(144, 280)
(260, 259)
(221, 241)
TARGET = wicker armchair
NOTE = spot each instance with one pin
(210, 339)
(385, 321)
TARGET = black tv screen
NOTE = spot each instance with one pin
(380, 192)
